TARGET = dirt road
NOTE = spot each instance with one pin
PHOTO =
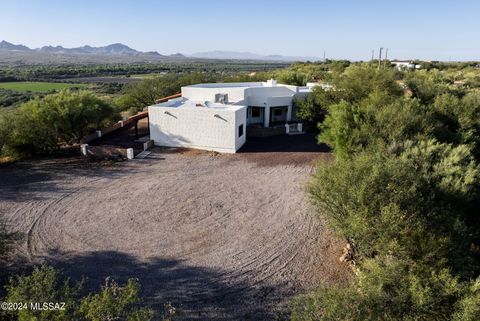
(221, 237)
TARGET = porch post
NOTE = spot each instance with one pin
(266, 116)
(289, 113)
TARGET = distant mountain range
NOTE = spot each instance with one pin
(113, 49)
(219, 54)
(11, 52)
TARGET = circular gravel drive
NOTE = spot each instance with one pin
(221, 237)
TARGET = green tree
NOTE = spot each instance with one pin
(5, 129)
(62, 119)
(356, 83)
(314, 107)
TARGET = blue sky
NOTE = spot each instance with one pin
(443, 30)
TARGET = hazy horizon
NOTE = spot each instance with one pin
(431, 30)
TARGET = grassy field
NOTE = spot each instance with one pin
(143, 76)
(38, 86)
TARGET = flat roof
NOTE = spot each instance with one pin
(187, 103)
(228, 85)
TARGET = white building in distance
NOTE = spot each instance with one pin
(215, 116)
(404, 64)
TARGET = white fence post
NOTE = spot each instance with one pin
(130, 153)
(300, 127)
(287, 128)
(99, 133)
(84, 149)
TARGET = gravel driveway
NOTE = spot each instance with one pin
(221, 237)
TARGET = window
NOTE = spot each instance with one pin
(240, 130)
(277, 112)
(255, 112)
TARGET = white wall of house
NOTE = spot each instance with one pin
(215, 129)
(240, 120)
(258, 96)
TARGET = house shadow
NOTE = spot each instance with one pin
(303, 143)
(197, 293)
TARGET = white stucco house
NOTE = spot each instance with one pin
(215, 116)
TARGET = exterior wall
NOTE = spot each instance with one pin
(198, 127)
(240, 119)
(258, 96)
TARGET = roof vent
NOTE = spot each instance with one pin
(272, 83)
(221, 98)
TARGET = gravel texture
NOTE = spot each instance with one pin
(221, 237)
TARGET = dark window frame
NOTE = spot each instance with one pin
(277, 112)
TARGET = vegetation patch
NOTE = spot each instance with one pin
(403, 192)
(40, 87)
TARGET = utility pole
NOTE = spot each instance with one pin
(380, 57)
(373, 54)
(385, 59)
(324, 60)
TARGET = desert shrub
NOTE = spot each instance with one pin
(378, 119)
(404, 191)
(356, 83)
(468, 307)
(390, 289)
(359, 81)
(45, 284)
(43, 125)
(11, 98)
(291, 77)
(314, 107)
(5, 128)
(469, 121)
(428, 190)
(115, 303)
(426, 86)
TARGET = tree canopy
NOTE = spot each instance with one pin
(45, 124)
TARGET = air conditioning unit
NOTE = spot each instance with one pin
(221, 98)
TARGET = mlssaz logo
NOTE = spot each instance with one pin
(37, 306)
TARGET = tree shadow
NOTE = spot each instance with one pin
(198, 293)
(38, 179)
